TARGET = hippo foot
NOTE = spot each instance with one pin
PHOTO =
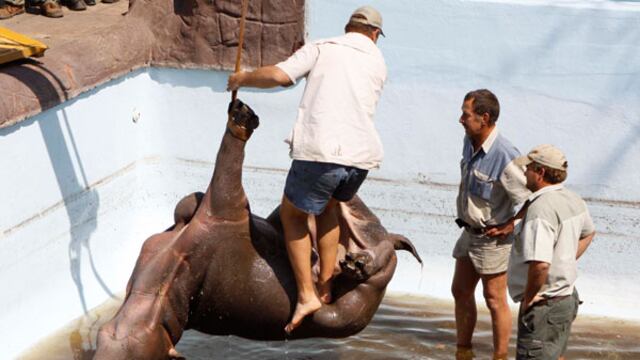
(357, 266)
(242, 120)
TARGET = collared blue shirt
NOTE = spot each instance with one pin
(491, 184)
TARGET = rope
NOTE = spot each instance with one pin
(245, 5)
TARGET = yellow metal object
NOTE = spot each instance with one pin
(14, 46)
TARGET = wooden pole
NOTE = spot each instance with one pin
(245, 5)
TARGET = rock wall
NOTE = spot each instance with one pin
(199, 33)
(169, 33)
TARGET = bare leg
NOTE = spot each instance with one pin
(495, 295)
(298, 243)
(328, 237)
(465, 280)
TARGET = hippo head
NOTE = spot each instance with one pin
(367, 244)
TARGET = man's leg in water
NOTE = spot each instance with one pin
(495, 295)
(465, 280)
(328, 237)
(298, 243)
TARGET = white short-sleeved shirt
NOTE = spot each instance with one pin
(345, 76)
(556, 220)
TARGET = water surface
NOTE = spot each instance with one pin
(405, 327)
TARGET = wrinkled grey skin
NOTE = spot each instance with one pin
(223, 270)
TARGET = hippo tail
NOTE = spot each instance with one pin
(400, 242)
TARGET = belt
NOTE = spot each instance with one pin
(550, 300)
(475, 231)
(472, 230)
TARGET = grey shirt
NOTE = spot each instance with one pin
(555, 221)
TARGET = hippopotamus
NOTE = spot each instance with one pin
(223, 270)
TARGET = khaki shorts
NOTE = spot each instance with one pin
(488, 255)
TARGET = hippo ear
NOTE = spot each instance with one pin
(400, 242)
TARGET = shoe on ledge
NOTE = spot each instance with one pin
(9, 10)
(76, 5)
(51, 9)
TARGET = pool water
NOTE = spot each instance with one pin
(405, 327)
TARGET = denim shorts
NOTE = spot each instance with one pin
(310, 185)
(543, 330)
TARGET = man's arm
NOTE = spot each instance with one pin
(536, 278)
(514, 183)
(583, 244)
(265, 77)
(503, 230)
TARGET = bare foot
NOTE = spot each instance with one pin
(301, 311)
(324, 291)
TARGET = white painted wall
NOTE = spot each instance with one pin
(82, 185)
(564, 75)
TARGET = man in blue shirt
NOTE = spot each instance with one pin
(490, 188)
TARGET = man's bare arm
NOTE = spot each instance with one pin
(265, 77)
(536, 277)
(584, 243)
(503, 230)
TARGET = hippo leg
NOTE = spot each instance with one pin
(186, 209)
(172, 265)
(357, 265)
(225, 197)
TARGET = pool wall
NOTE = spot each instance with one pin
(84, 183)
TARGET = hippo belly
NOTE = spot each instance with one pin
(249, 290)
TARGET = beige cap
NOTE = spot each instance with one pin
(369, 16)
(547, 155)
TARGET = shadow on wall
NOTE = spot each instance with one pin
(624, 148)
(80, 202)
(604, 83)
(216, 80)
(611, 88)
(551, 56)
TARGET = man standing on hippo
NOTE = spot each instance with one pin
(334, 143)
